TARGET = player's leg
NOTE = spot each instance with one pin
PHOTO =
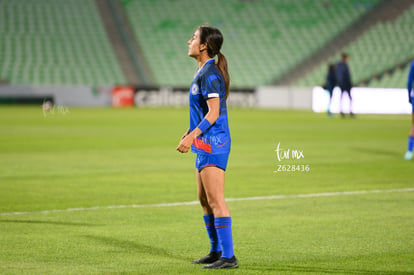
(328, 110)
(212, 179)
(350, 102)
(409, 154)
(202, 196)
(341, 107)
(215, 249)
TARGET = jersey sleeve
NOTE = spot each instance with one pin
(210, 86)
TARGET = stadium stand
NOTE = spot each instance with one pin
(263, 39)
(55, 42)
(396, 78)
(378, 57)
(58, 42)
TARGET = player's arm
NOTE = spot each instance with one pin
(210, 118)
(185, 134)
(213, 109)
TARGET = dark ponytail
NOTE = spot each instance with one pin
(214, 40)
(222, 66)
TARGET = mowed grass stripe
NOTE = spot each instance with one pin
(274, 197)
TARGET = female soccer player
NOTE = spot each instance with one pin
(209, 137)
(410, 88)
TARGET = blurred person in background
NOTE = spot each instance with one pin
(343, 79)
(410, 88)
(330, 84)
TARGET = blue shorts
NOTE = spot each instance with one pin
(219, 160)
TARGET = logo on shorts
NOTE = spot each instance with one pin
(194, 89)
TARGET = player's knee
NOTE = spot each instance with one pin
(204, 203)
(203, 200)
(216, 204)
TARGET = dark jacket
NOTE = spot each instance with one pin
(330, 79)
(343, 76)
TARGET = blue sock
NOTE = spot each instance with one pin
(212, 234)
(410, 143)
(223, 228)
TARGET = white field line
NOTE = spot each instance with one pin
(275, 197)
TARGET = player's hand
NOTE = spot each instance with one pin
(185, 144)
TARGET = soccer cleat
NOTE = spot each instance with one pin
(210, 258)
(408, 155)
(223, 263)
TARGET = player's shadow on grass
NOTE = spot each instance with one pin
(319, 270)
(48, 222)
(134, 246)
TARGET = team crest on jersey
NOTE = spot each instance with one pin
(194, 89)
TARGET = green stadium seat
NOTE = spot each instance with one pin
(64, 41)
(381, 48)
(55, 41)
(257, 34)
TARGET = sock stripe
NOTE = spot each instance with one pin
(221, 226)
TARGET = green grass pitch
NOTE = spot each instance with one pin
(94, 158)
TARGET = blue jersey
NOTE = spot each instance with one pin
(410, 83)
(209, 83)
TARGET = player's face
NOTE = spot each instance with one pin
(194, 44)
